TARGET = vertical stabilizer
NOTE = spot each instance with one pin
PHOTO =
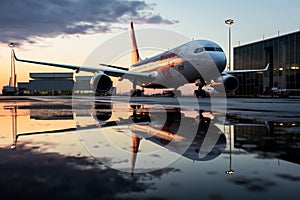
(135, 57)
(135, 150)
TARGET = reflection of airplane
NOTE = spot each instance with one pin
(198, 61)
(165, 128)
(197, 150)
(146, 125)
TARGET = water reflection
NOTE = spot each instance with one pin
(43, 170)
(28, 174)
(14, 124)
(45, 112)
(160, 134)
(208, 143)
(262, 155)
(269, 139)
(45, 126)
(143, 128)
(266, 139)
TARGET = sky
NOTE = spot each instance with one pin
(67, 31)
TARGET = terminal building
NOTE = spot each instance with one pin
(47, 84)
(58, 83)
(282, 53)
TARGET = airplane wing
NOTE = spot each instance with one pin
(245, 71)
(116, 72)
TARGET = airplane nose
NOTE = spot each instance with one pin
(219, 59)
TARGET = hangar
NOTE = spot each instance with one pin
(48, 84)
(57, 83)
(283, 55)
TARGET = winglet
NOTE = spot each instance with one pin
(135, 57)
(267, 67)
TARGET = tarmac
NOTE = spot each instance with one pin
(270, 109)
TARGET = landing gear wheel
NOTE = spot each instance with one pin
(133, 106)
(177, 93)
(137, 93)
(200, 93)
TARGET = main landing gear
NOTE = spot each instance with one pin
(137, 93)
(166, 93)
(200, 92)
(177, 93)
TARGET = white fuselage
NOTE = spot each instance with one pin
(199, 59)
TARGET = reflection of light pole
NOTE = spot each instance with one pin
(230, 171)
(229, 22)
(14, 126)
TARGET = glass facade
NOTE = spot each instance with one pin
(283, 55)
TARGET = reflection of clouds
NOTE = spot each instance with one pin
(28, 174)
(288, 177)
(253, 184)
(159, 173)
(114, 161)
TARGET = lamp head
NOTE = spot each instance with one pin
(11, 45)
(229, 21)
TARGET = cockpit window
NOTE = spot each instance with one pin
(219, 49)
(209, 48)
(198, 50)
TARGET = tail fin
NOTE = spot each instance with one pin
(135, 57)
(135, 149)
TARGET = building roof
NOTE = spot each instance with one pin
(83, 78)
(268, 39)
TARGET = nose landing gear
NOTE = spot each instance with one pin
(200, 92)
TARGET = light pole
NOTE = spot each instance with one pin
(229, 22)
(13, 76)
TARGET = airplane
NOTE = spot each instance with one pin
(199, 61)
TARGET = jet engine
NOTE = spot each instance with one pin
(231, 83)
(101, 83)
(102, 111)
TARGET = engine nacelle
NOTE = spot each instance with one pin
(102, 111)
(231, 83)
(101, 83)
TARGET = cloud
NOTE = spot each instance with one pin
(23, 21)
